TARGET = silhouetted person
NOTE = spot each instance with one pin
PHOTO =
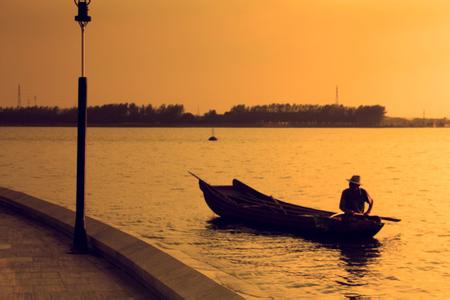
(354, 198)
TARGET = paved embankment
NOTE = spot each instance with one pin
(162, 275)
(35, 264)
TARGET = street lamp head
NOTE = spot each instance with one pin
(82, 18)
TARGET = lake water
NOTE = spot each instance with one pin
(137, 180)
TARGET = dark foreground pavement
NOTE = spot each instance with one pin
(35, 264)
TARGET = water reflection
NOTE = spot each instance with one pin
(357, 254)
(224, 225)
(139, 189)
(346, 265)
(356, 259)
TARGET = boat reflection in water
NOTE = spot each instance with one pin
(355, 259)
(318, 266)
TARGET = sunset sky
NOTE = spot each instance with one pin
(213, 54)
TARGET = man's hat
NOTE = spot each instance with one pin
(356, 179)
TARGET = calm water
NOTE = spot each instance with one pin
(137, 180)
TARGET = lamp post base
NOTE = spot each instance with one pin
(80, 241)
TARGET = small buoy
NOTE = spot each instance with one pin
(212, 138)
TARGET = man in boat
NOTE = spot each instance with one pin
(354, 198)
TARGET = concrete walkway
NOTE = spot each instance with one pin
(35, 264)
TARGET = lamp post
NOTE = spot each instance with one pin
(80, 244)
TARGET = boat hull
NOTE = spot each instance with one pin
(242, 204)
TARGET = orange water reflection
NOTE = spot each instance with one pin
(137, 180)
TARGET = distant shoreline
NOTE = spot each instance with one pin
(275, 115)
(143, 125)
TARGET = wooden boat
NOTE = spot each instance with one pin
(240, 203)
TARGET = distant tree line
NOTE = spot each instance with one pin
(416, 122)
(130, 114)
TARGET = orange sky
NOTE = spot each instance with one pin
(217, 53)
